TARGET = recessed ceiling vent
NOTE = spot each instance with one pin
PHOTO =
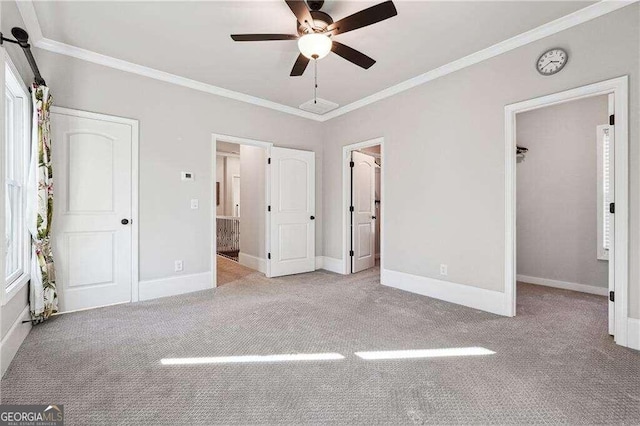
(322, 106)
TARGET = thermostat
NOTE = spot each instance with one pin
(187, 176)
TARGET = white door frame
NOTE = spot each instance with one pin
(619, 88)
(346, 186)
(134, 183)
(267, 179)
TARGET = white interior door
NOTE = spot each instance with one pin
(235, 195)
(363, 229)
(91, 228)
(609, 233)
(292, 211)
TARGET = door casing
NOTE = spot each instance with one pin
(346, 201)
(267, 197)
(619, 88)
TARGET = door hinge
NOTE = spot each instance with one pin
(269, 160)
(612, 120)
(268, 255)
(352, 164)
(351, 253)
(351, 209)
(612, 208)
(268, 208)
(612, 296)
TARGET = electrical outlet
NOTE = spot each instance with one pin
(194, 204)
(179, 266)
(443, 269)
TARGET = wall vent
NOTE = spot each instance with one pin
(322, 107)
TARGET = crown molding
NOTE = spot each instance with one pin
(576, 18)
(119, 64)
(581, 16)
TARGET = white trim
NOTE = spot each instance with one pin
(227, 154)
(14, 338)
(565, 22)
(619, 87)
(17, 285)
(267, 197)
(89, 309)
(583, 288)
(466, 295)
(633, 329)
(135, 176)
(172, 286)
(319, 262)
(331, 264)
(17, 86)
(346, 181)
(30, 19)
(119, 64)
(256, 263)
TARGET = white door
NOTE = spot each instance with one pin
(91, 228)
(235, 195)
(609, 233)
(292, 211)
(363, 231)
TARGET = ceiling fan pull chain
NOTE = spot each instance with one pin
(315, 86)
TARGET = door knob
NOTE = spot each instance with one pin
(124, 221)
(312, 217)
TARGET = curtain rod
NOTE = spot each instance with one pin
(22, 39)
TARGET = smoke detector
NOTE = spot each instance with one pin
(321, 106)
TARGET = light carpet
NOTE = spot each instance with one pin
(553, 363)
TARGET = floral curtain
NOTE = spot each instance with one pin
(43, 297)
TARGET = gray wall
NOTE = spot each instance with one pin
(253, 161)
(557, 202)
(176, 125)
(444, 154)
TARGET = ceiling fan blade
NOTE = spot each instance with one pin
(352, 55)
(365, 17)
(299, 66)
(300, 9)
(263, 37)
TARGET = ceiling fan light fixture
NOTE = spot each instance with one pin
(315, 46)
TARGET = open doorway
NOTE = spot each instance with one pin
(563, 182)
(570, 199)
(240, 209)
(272, 226)
(363, 181)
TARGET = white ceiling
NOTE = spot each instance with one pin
(191, 39)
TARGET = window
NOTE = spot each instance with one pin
(18, 242)
(605, 189)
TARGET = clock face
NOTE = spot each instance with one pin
(552, 61)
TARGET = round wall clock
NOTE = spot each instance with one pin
(552, 61)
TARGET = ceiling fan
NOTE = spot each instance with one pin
(316, 30)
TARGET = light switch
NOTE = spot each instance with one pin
(194, 203)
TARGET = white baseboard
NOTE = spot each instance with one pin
(584, 288)
(171, 286)
(14, 338)
(633, 333)
(466, 295)
(253, 262)
(319, 262)
(333, 265)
